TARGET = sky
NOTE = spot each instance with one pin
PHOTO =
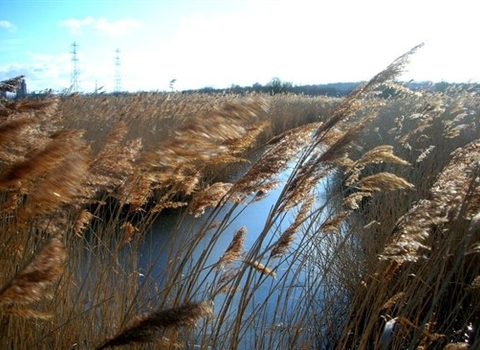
(219, 43)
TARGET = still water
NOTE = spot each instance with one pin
(167, 241)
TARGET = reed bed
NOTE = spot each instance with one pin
(370, 241)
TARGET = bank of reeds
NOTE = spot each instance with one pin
(419, 268)
(82, 180)
(375, 228)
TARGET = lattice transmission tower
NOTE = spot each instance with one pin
(118, 76)
(75, 77)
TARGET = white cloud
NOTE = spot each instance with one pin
(7, 25)
(75, 25)
(40, 71)
(118, 28)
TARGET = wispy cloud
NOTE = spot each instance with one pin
(75, 25)
(116, 28)
(41, 71)
(111, 28)
(7, 25)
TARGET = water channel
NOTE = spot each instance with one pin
(169, 236)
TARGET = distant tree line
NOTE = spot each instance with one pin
(277, 86)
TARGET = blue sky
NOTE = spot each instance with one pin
(218, 43)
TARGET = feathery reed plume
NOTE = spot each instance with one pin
(454, 127)
(264, 270)
(252, 132)
(393, 300)
(207, 137)
(473, 249)
(456, 185)
(210, 197)
(148, 328)
(288, 236)
(338, 150)
(11, 85)
(30, 283)
(234, 249)
(283, 148)
(311, 171)
(135, 191)
(475, 283)
(383, 182)
(82, 221)
(115, 138)
(10, 202)
(182, 179)
(395, 68)
(10, 130)
(353, 200)
(62, 145)
(27, 313)
(332, 224)
(44, 109)
(129, 231)
(425, 154)
(352, 103)
(419, 123)
(168, 204)
(303, 183)
(175, 167)
(318, 165)
(390, 270)
(379, 154)
(457, 346)
(115, 163)
(62, 185)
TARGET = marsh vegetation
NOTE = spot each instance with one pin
(391, 237)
